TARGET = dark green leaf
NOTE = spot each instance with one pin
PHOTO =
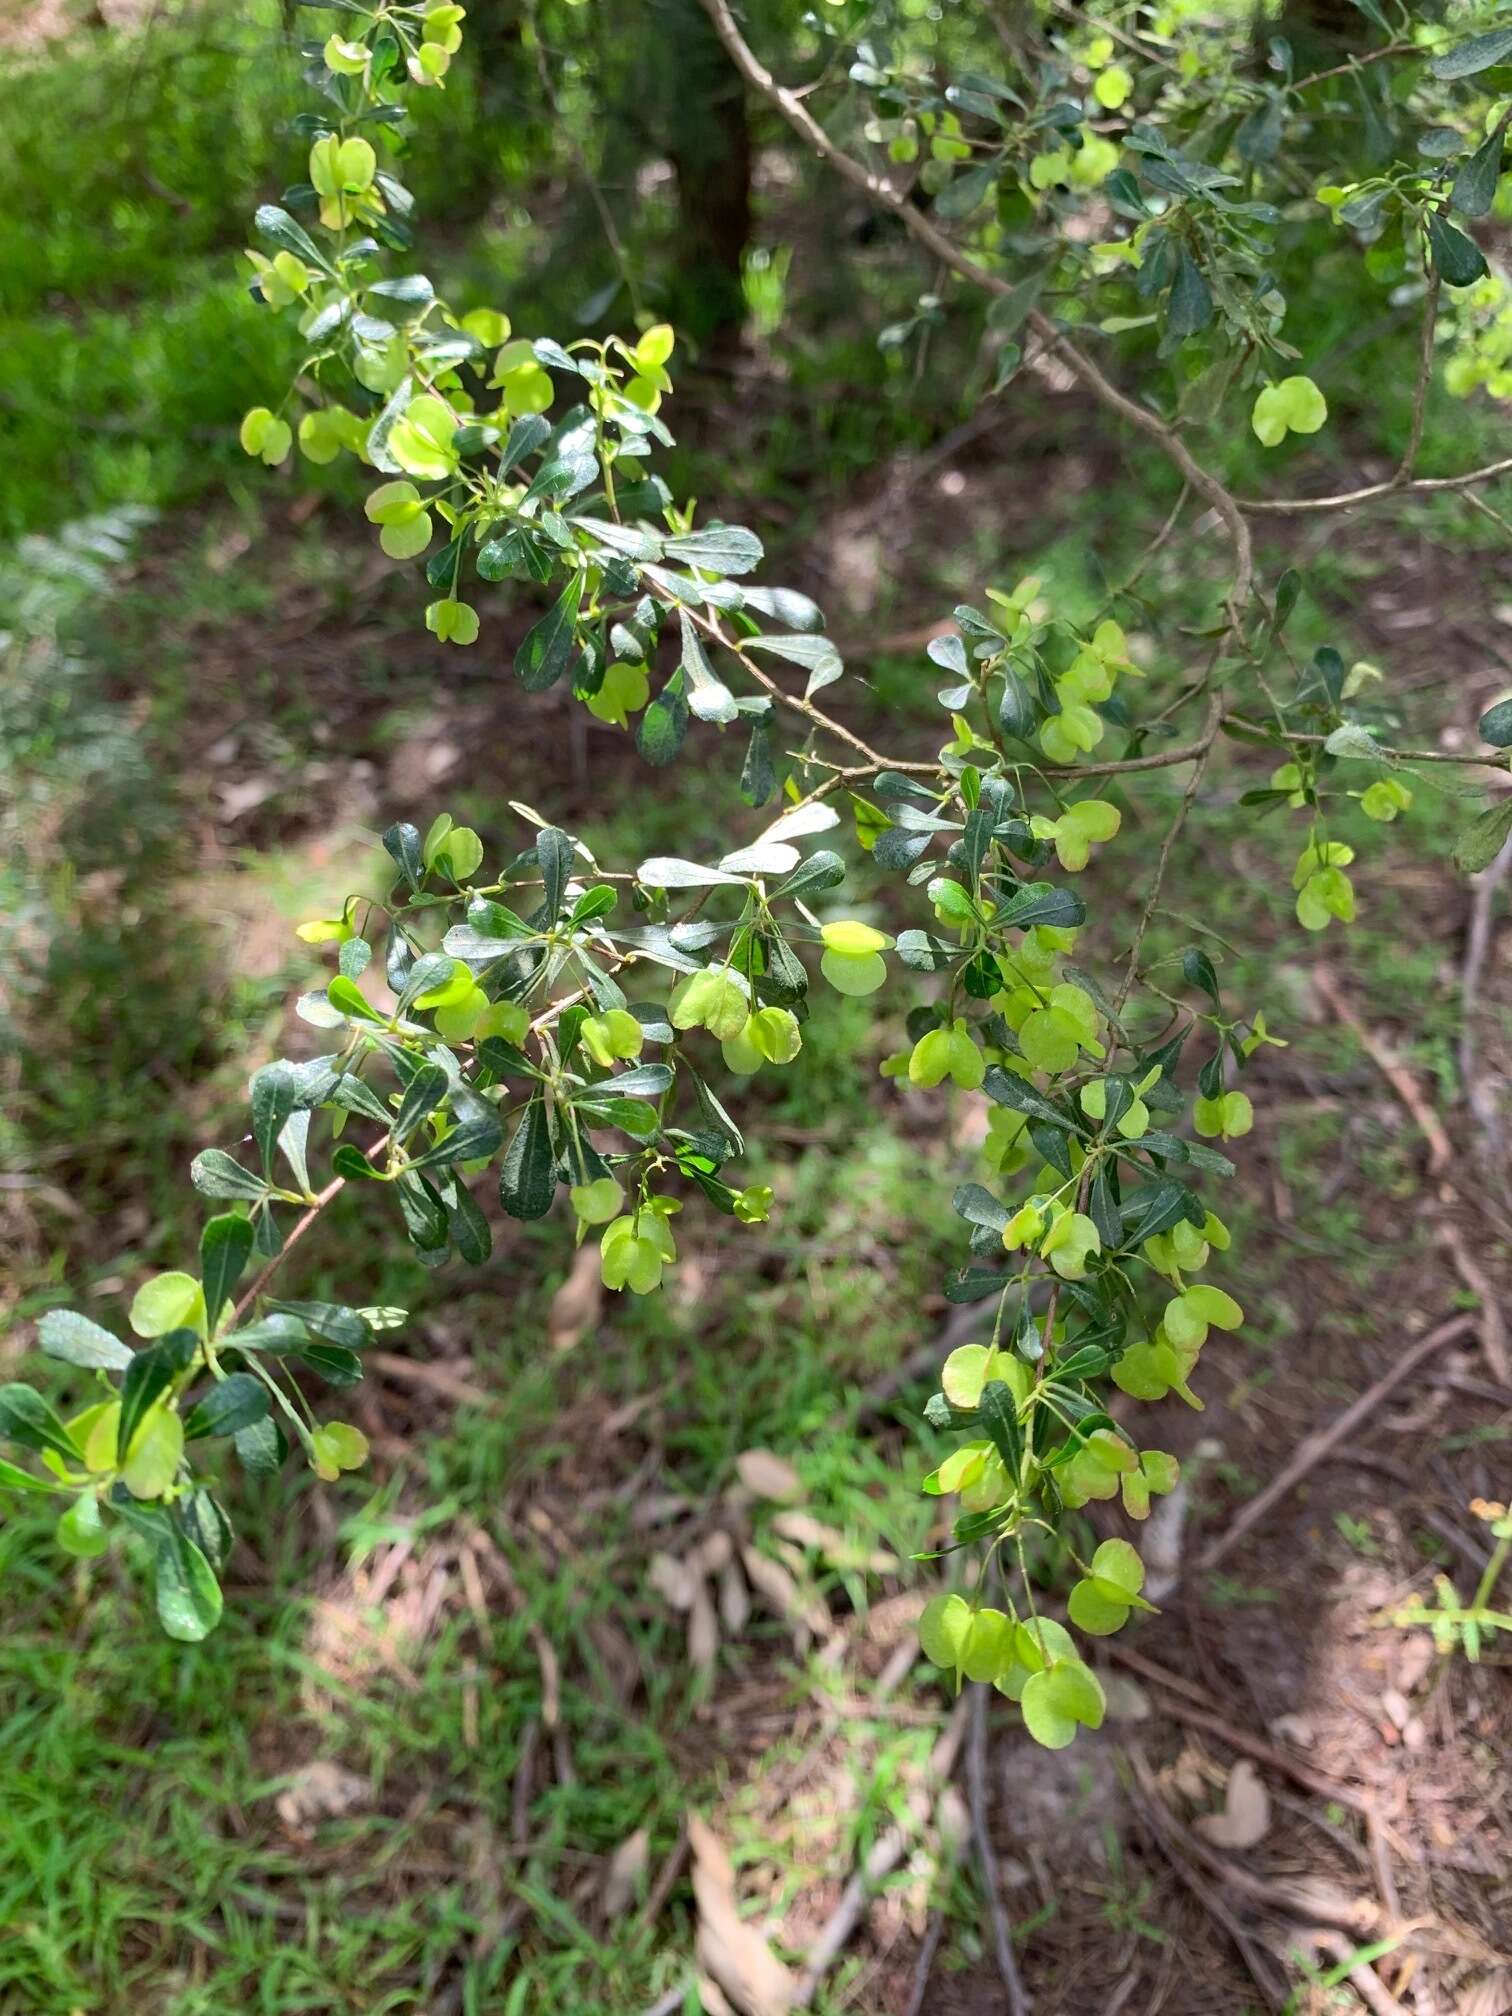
(188, 1596)
(1496, 725)
(422, 1096)
(1483, 839)
(26, 1418)
(547, 649)
(1458, 259)
(331, 1320)
(1468, 59)
(148, 1377)
(1475, 183)
(1191, 302)
(527, 1179)
(999, 1416)
(403, 843)
(214, 1173)
(225, 1249)
(260, 1449)
(1041, 903)
(275, 1094)
(1197, 969)
(331, 1362)
(1009, 1090)
(238, 1401)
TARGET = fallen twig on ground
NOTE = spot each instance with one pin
(887, 1852)
(1491, 1323)
(1361, 1976)
(1311, 1451)
(981, 1839)
(1159, 1827)
(1480, 1096)
(1391, 1068)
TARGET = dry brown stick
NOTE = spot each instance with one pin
(1155, 1819)
(1237, 1739)
(1301, 1900)
(1490, 1321)
(887, 1852)
(1311, 1451)
(417, 1372)
(1391, 1068)
(1361, 1976)
(924, 1965)
(987, 1866)
(1480, 1098)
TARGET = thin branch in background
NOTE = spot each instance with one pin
(582, 163)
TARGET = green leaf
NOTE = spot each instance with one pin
(66, 1335)
(237, 1402)
(1191, 303)
(1468, 59)
(331, 1320)
(403, 844)
(1496, 725)
(214, 1173)
(422, 1096)
(26, 1418)
(81, 1530)
(1483, 839)
(720, 549)
(189, 1598)
(527, 1178)
(1474, 189)
(547, 648)
(944, 1629)
(1041, 903)
(148, 1377)
(1458, 259)
(999, 1416)
(225, 1249)
(173, 1301)
(279, 228)
(275, 1094)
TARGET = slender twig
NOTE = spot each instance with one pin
(1311, 1452)
(1424, 379)
(1418, 487)
(296, 1233)
(1480, 1096)
(1203, 749)
(950, 255)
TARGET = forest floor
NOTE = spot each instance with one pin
(471, 1728)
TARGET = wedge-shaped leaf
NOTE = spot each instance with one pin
(214, 1173)
(548, 648)
(189, 1600)
(721, 549)
(1041, 903)
(147, 1380)
(332, 1320)
(527, 1179)
(238, 1401)
(27, 1419)
(225, 1249)
(667, 871)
